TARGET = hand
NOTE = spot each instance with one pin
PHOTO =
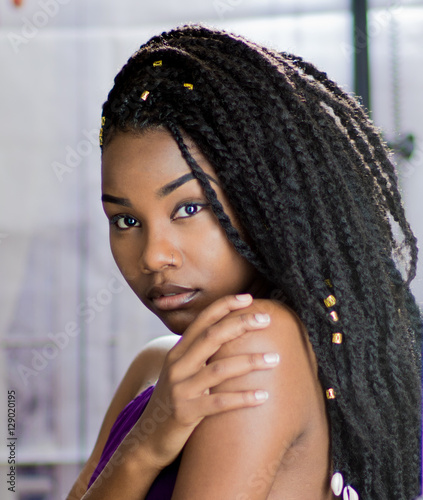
(183, 389)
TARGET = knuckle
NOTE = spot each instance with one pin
(245, 320)
(218, 368)
(209, 333)
(228, 301)
(253, 360)
(219, 401)
(172, 374)
(247, 397)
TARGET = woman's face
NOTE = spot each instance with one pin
(164, 236)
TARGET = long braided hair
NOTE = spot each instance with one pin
(316, 191)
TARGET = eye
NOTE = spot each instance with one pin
(124, 221)
(188, 210)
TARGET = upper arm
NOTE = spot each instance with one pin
(236, 454)
(143, 371)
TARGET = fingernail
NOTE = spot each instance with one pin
(271, 358)
(261, 395)
(244, 297)
(262, 318)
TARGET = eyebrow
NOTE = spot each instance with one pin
(108, 198)
(171, 186)
(161, 193)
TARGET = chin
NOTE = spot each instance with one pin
(176, 321)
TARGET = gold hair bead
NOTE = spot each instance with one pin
(330, 301)
(337, 338)
(100, 136)
(144, 95)
(157, 63)
(334, 316)
(189, 86)
(328, 282)
(330, 394)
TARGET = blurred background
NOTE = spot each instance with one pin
(69, 326)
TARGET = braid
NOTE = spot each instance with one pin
(315, 190)
(224, 220)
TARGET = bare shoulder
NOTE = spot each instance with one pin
(146, 366)
(142, 372)
(226, 450)
(286, 335)
(162, 344)
(293, 386)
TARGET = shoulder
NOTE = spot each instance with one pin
(156, 347)
(283, 319)
(146, 366)
(294, 383)
(286, 334)
(226, 450)
(142, 372)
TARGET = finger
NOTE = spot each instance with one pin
(215, 312)
(223, 369)
(213, 404)
(212, 338)
(209, 316)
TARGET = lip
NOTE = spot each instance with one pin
(169, 296)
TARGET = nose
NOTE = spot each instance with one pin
(158, 252)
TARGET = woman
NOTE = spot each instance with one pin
(252, 209)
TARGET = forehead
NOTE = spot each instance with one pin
(152, 155)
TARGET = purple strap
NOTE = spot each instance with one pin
(163, 486)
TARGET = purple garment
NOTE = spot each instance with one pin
(163, 485)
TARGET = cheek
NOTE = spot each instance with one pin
(213, 241)
(226, 267)
(124, 257)
(116, 249)
(218, 254)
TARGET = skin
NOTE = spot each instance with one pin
(164, 244)
(271, 448)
